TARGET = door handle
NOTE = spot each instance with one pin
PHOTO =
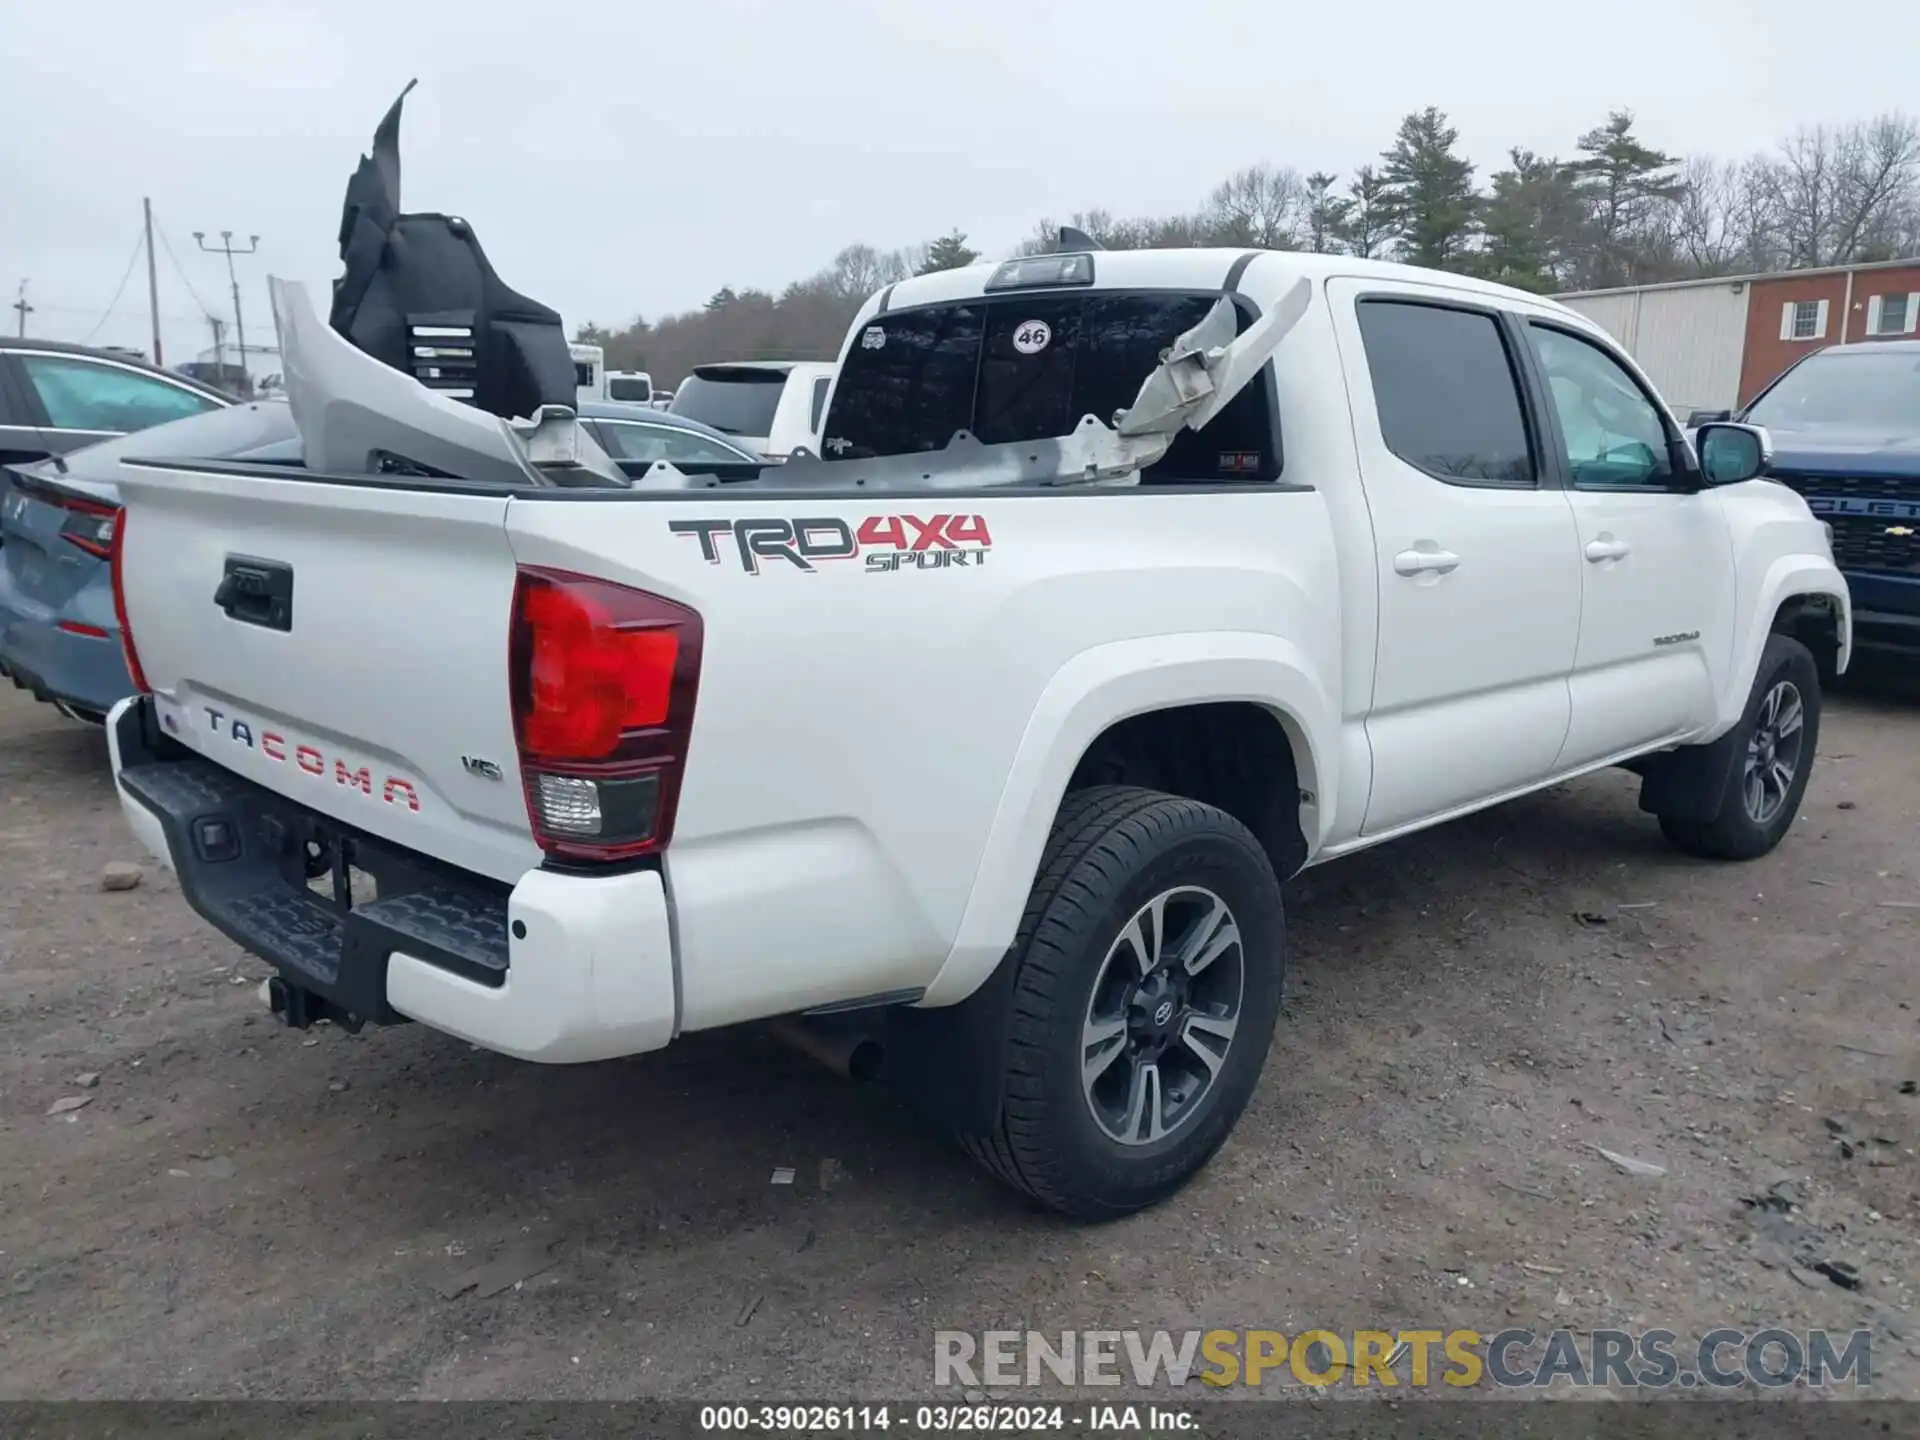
(1422, 562)
(257, 592)
(1607, 548)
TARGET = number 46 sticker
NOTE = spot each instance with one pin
(1032, 337)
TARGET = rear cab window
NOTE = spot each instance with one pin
(1027, 367)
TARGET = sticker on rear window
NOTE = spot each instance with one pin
(1032, 337)
(873, 338)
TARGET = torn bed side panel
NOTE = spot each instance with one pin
(359, 416)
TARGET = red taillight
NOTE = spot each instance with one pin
(90, 526)
(603, 689)
(118, 554)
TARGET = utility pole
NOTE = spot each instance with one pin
(23, 308)
(153, 283)
(226, 247)
(219, 353)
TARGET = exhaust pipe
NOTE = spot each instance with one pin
(850, 1054)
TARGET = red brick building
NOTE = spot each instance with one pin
(1716, 343)
(1791, 315)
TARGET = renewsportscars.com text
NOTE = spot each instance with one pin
(1507, 1359)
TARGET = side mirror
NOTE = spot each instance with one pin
(1730, 453)
(1707, 417)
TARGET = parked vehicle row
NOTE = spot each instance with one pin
(995, 750)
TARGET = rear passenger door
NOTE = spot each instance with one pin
(1477, 558)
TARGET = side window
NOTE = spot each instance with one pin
(81, 395)
(626, 440)
(1445, 389)
(819, 411)
(1614, 435)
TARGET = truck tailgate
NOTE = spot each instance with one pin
(343, 645)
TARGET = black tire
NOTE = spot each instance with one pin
(1735, 832)
(1112, 851)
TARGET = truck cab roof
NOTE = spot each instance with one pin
(1254, 272)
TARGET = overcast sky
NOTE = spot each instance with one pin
(622, 158)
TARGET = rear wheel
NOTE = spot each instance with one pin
(1147, 982)
(1773, 759)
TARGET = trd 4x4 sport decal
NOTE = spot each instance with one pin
(887, 543)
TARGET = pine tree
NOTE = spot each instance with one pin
(1530, 222)
(1627, 187)
(1431, 205)
(1366, 230)
(949, 252)
(1326, 213)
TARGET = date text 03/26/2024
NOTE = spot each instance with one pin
(909, 1419)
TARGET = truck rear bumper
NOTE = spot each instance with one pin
(557, 968)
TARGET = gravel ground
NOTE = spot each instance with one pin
(242, 1211)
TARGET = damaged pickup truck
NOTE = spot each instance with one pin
(978, 746)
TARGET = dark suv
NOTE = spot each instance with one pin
(1845, 423)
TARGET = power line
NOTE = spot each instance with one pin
(206, 311)
(125, 275)
(123, 311)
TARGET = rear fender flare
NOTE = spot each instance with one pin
(1092, 691)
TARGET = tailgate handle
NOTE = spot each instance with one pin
(257, 592)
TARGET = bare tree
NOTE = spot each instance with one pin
(1846, 193)
(1881, 189)
(859, 270)
(1707, 229)
(1263, 205)
(1112, 234)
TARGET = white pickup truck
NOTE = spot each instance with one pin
(1127, 585)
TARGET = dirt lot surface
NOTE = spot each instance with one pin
(240, 1210)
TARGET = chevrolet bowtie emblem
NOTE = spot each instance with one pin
(1900, 532)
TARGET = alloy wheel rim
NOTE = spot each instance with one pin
(1773, 752)
(1162, 1016)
